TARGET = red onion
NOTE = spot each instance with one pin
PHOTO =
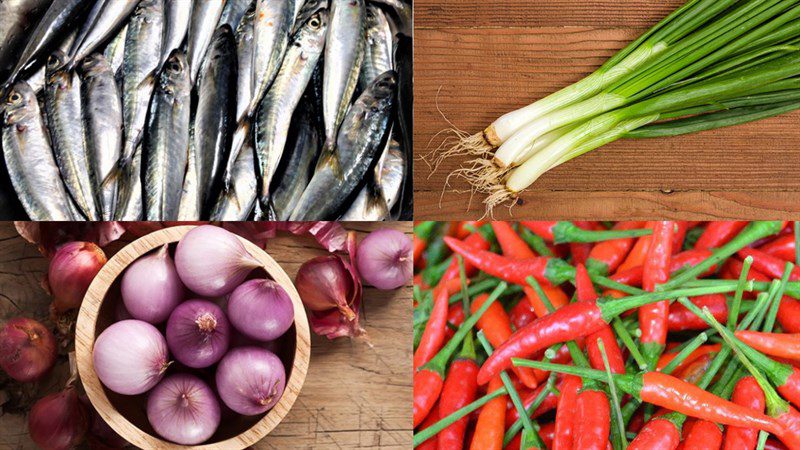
(250, 380)
(198, 333)
(183, 409)
(58, 421)
(212, 261)
(324, 283)
(130, 357)
(260, 309)
(384, 259)
(27, 349)
(101, 435)
(151, 288)
(71, 271)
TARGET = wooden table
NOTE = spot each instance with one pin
(355, 394)
(479, 59)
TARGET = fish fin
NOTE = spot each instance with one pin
(329, 157)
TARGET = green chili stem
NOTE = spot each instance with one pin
(693, 345)
(462, 274)
(619, 436)
(516, 426)
(733, 313)
(778, 295)
(628, 342)
(445, 422)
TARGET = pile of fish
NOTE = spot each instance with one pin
(207, 109)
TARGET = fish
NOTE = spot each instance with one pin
(404, 62)
(237, 204)
(214, 118)
(344, 53)
(368, 206)
(102, 113)
(393, 173)
(379, 50)
(402, 11)
(141, 60)
(177, 15)
(362, 133)
(205, 16)
(29, 157)
(278, 106)
(189, 207)
(306, 9)
(166, 141)
(376, 199)
(244, 57)
(17, 17)
(36, 79)
(115, 51)
(56, 23)
(233, 12)
(298, 160)
(63, 107)
(273, 22)
(105, 19)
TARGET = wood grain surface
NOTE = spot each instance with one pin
(476, 60)
(356, 394)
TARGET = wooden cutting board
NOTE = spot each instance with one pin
(355, 394)
(475, 60)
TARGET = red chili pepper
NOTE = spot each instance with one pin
(565, 413)
(592, 420)
(781, 247)
(681, 227)
(433, 417)
(694, 371)
(769, 265)
(476, 241)
(774, 344)
(703, 435)
(638, 253)
(522, 314)
(703, 350)
(490, 427)
(459, 390)
(496, 325)
(719, 233)
(580, 251)
(544, 269)
(548, 404)
(616, 362)
(555, 294)
(465, 228)
(747, 393)
(657, 434)
(545, 432)
(455, 317)
(606, 256)
(688, 258)
(434, 333)
(656, 270)
(681, 319)
(563, 232)
(418, 248)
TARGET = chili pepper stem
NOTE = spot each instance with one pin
(445, 422)
(564, 232)
(733, 312)
(619, 434)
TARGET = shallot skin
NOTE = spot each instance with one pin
(27, 349)
(261, 309)
(151, 288)
(130, 357)
(250, 380)
(198, 333)
(183, 409)
(385, 260)
(58, 421)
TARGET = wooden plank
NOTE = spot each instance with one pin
(473, 75)
(355, 394)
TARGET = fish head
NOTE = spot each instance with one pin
(55, 68)
(19, 103)
(380, 94)
(175, 74)
(94, 64)
(313, 32)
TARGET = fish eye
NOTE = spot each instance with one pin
(314, 22)
(383, 84)
(174, 66)
(14, 97)
(52, 61)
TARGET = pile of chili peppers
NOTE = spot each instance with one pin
(598, 335)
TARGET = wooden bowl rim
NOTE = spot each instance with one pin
(85, 331)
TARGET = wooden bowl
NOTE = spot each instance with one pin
(127, 414)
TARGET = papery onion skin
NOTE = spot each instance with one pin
(212, 261)
(384, 259)
(101, 436)
(71, 271)
(130, 357)
(151, 288)
(183, 409)
(324, 283)
(260, 309)
(27, 349)
(198, 333)
(58, 421)
(250, 380)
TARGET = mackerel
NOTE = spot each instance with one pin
(205, 16)
(166, 141)
(17, 17)
(237, 203)
(339, 172)
(64, 119)
(278, 106)
(177, 14)
(234, 12)
(105, 19)
(379, 195)
(29, 159)
(379, 51)
(306, 9)
(273, 22)
(244, 57)
(115, 51)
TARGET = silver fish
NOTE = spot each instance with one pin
(393, 171)
(339, 173)
(17, 17)
(214, 117)
(379, 50)
(277, 107)
(273, 21)
(36, 79)
(67, 131)
(237, 203)
(29, 158)
(298, 161)
(142, 53)
(306, 9)
(166, 141)
(233, 12)
(190, 208)
(177, 14)
(368, 206)
(380, 194)
(102, 111)
(115, 50)
(344, 53)
(402, 20)
(105, 19)
(244, 53)
(55, 23)
(205, 16)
